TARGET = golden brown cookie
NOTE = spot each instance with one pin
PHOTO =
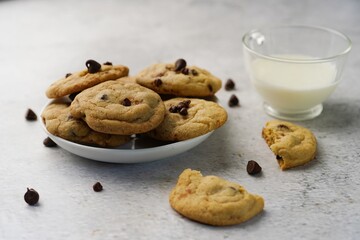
(293, 145)
(213, 200)
(76, 82)
(186, 118)
(118, 107)
(59, 122)
(179, 80)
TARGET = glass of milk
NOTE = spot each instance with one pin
(295, 68)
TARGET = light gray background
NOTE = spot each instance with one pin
(41, 41)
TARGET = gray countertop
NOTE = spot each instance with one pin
(41, 41)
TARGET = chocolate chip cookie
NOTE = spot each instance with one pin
(94, 74)
(179, 80)
(118, 107)
(187, 118)
(293, 145)
(59, 122)
(213, 200)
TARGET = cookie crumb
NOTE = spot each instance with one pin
(30, 115)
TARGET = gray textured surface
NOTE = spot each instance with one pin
(42, 40)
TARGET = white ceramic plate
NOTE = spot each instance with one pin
(140, 149)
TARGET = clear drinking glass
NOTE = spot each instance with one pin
(295, 68)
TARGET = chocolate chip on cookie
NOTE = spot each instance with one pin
(30, 115)
(157, 82)
(126, 102)
(108, 63)
(180, 64)
(68, 75)
(185, 71)
(93, 66)
(194, 72)
(183, 111)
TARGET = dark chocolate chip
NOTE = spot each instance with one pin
(230, 84)
(126, 102)
(194, 72)
(283, 127)
(278, 157)
(93, 66)
(157, 82)
(186, 103)
(180, 64)
(210, 87)
(73, 95)
(97, 187)
(68, 75)
(30, 115)
(173, 109)
(185, 71)
(183, 111)
(108, 63)
(104, 97)
(233, 101)
(49, 143)
(253, 167)
(31, 196)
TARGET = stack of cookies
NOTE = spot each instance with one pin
(103, 106)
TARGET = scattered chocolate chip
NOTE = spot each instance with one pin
(253, 167)
(31, 196)
(108, 63)
(68, 75)
(93, 66)
(183, 111)
(30, 115)
(210, 87)
(73, 95)
(229, 85)
(97, 187)
(104, 97)
(233, 101)
(126, 102)
(157, 82)
(185, 71)
(49, 143)
(194, 72)
(173, 109)
(180, 64)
